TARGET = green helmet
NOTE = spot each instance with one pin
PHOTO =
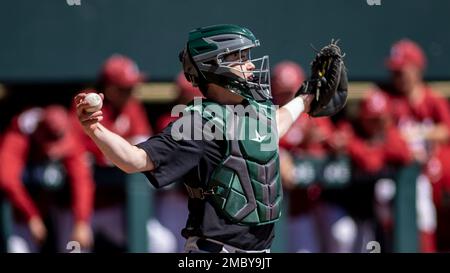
(204, 61)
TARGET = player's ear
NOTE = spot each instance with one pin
(181, 55)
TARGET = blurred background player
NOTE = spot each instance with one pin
(287, 76)
(126, 116)
(423, 118)
(302, 150)
(171, 209)
(303, 143)
(45, 175)
(327, 219)
(376, 149)
(185, 94)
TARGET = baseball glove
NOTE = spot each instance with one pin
(328, 82)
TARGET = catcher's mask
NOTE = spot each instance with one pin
(206, 60)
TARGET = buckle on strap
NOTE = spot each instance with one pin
(198, 193)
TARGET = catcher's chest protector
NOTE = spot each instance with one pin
(246, 185)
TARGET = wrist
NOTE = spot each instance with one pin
(92, 131)
(34, 218)
(82, 223)
(295, 107)
(32, 215)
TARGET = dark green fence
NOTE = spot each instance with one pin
(49, 40)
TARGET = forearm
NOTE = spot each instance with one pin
(127, 157)
(284, 121)
(288, 114)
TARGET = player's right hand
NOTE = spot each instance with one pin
(89, 120)
(37, 229)
(82, 233)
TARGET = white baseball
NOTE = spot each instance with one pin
(95, 102)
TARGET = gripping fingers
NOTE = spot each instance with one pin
(81, 107)
(81, 104)
(92, 121)
(79, 97)
(87, 116)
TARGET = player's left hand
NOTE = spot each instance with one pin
(328, 82)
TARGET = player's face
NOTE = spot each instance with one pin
(117, 96)
(375, 125)
(242, 64)
(406, 78)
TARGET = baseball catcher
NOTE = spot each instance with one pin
(224, 147)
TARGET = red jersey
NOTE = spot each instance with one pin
(18, 148)
(371, 155)
(415, 120)
(308, 135)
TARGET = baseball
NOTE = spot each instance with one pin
(95, 102)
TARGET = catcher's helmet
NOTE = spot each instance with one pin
(204, 60)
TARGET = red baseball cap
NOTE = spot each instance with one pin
(375, 104)
(121, 71)
(55, 119)
(51, 132)
(406, 52)
(287, 77)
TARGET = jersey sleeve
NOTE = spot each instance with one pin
(81, 182)
(364, 156)
(173, 157)
(441, 111)
(13, 154)
(396, 150)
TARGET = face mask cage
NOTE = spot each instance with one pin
(254, 73)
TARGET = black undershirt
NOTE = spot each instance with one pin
(194, 161)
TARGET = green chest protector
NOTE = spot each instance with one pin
(246, 185)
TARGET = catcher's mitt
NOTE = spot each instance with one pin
(328, 82)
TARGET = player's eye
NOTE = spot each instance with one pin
(232, 57)
(245, 56)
